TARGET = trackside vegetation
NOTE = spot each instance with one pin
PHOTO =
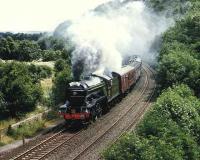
(27, 130)
(21, 74)
(29, 81)
(19, 91)
(171, 129)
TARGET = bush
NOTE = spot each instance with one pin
(60, 65)
(19, 91)
(39, 72)
(51, 55)
(2, 144)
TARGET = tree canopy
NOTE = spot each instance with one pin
(179, 59)
(18, 91)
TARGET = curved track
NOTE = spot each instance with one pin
(86, 151)
(83, 147)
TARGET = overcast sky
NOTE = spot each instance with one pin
(40, 15)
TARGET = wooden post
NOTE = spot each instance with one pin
(23, 139)
(1, 135)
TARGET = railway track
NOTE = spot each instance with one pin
(130, 125)
(140, 114)
(47, 146)
(53, 143)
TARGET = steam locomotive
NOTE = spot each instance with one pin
(89, 98)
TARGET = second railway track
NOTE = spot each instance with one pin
(139, 111)
(81, 147)
(47, 146)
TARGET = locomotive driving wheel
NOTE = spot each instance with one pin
(96, 112)
(94, 115)
(99, 110)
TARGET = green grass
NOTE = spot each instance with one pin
(6, 123)
(27, 130)
(2, 144)
(6, 140)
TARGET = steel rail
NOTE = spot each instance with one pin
(38, 145)
(46, 153)
(115, 123)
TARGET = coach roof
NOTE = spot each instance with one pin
(122, 71)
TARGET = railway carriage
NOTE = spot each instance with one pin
(125, 76)
(87, 99)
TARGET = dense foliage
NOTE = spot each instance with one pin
(179, 60)
(45, 49)
(171, 130)
(22, 36)
(23, 50)
(63, 77)
(170, 7)
(19, 88)
(37, 72)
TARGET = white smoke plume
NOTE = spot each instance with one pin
(105, 36)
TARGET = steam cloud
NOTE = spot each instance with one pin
(105, 36)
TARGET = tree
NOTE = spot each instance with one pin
(50, 42)
(24, 50)
(39, 72)
(179, 67)
(51, 55)
(19, 91)
(171, 7)
(60, 65)
(2, 105)
(8, 48)
(60, 85)
(28, 51)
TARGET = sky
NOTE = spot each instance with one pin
(40, 15)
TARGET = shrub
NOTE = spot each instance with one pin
(60, 65)
(39, 72)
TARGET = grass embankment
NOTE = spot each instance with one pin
(46, 85)
(30, 129)
(5, 123)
